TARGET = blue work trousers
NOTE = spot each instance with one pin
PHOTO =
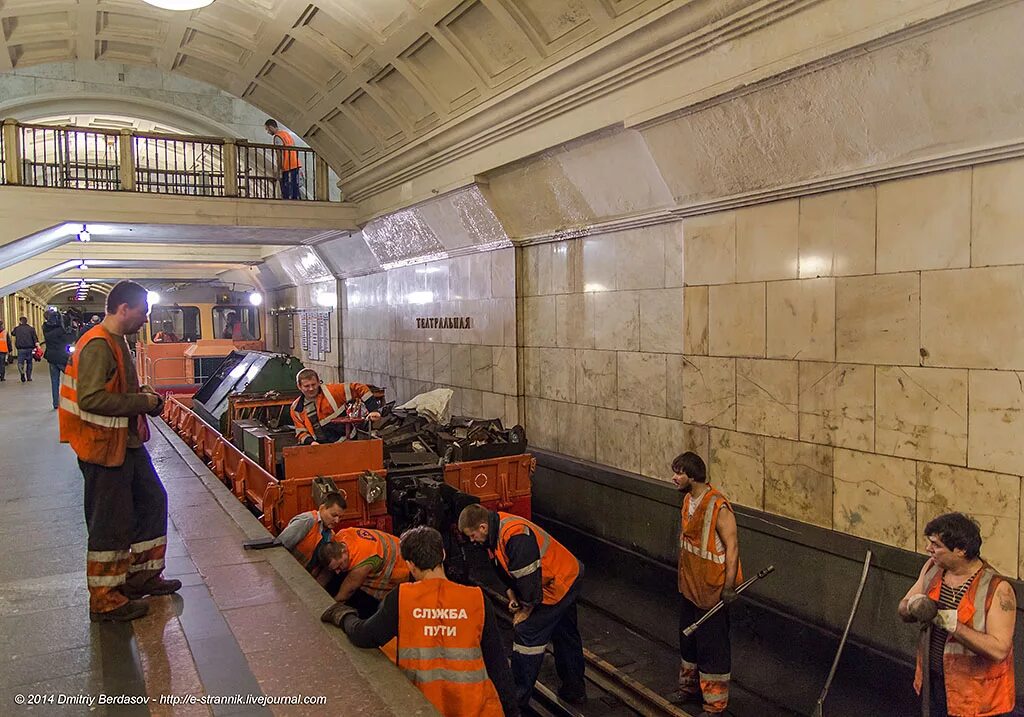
(25, 362)
(55, 372)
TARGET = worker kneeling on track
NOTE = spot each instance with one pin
(968, 613)
(307, 532)
(373, 562)
(543, 580)
(448, 640)
(318, 412)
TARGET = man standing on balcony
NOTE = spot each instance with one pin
(26, 341)
(288, 160)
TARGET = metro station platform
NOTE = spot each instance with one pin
(244, 624)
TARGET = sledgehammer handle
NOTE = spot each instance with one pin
(687, 631)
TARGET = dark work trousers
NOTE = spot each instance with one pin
(555, 624)
(126, 516)
(25, 362)
(3, 366)
(290, 184)
(55, 373)
(706, 656)
(364, 603)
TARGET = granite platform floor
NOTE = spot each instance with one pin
(244, 628)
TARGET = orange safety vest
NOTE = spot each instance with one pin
(305, 551)
(363, 544)
(440, 624)
(3, 341)
(102, 440)
(701, 564)
(558, 567)
(289, 158)
(975, 685)
(331, 403)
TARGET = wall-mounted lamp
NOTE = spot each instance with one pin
(84, 235)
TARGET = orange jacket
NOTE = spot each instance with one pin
(305, 551)
(558, 567)
(102, 440)
(364, 544)
(440, 625)
(701, 564)
(3, 341)
(289, 158)
(975, 685)
(331, 403)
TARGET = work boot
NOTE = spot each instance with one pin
(576, 699)
(154, 586)
(126, 613)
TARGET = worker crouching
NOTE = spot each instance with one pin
(967, 611)
(308, 532)
(318, 412)
(448, 640)
(372, 563)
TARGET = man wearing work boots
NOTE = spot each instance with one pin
(709, 566)
(448, 640)
(543, 580)
(968, 613)
(103, 416)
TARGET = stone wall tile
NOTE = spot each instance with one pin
(577, 430)
(674, 385)
(596, 378)
(597, 264)
(503, 273)
(921, 413)
(876, 498)
(837, 404)
(766, 397)
(878, 319)
(709, 391)
(462, 367)
(995, 435)
(472, 402)
(695, 320)
(798, 481)
(802, 319)
(661, 320)
(493, 406)
(709, 249)
(640, 382)
(767, 241)
(410, 360)
(425, 362)
(737, 320)
(925, 222)
(674, 255)
(442, 364)
(736, 467)
(837, 233)
(539, 321)
(617, 320)
(530, 359)
(662, 439)
(481, 360)
(558, 374)
(574, 319)
(618, 439)
(504, 361)
(997, 213)
(512, 416)
(639, 259)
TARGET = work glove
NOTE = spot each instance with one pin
(336, 613)
(729, 596)
(946, 619)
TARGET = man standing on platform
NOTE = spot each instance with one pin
(103, 416)
(26, 341)
(288, 160)
(543, 580)
(709, 566)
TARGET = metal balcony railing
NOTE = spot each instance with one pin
(112, 160)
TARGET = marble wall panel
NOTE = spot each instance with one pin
(798, 481)
(801, 318)
(695, 320)
(973, 318)
(442, 364)
(997, 213)
(640, 382)
(736, 466)
(921, 413)
(462, 365)
(425, 361)
(925, 222)
(617, 320)
(993, 499)
(837, 233)
(876, 497)
(640, 258)
(709, 249)
(673, 255)
(558, 374)
(596, 378)
(539, 328)
(766, 241)
(493, 406)
(709, 391)
(767, 398)
(662, 439)
(410, 360)
(878, 319)
(529, 361)
(548, 268)
(996, 422)
(472, 401)
(661, 320)
(837, 404)
(504, 376)
(503, 274)
(737, 320)
(577, 430)
(481, 363)
(574, 321)
(598, 257)
(618, 439)
(674, 386)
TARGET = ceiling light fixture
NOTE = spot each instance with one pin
(178, 4)
(84, 235)
(152, 298)
(255, 298)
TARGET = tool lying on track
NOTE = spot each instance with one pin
(687, 631)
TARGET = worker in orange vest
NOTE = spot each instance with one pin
(969, 612)
(306, 533)
(709, 566)
(543, 581)
(449, 645)
(6, 349)
(288, 161)
(372, 562)
(320, 404)
(103, 416)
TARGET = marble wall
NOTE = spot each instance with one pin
(385, 345)
(285, 308)
(853, 359)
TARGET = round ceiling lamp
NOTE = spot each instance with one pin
(178, 4)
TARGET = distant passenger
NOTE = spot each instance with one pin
(234, 329)
(320, 404)
(449, 645)
(288, 162)
(166, 334)
(969, 612)
(59, 341)
(543, 580)
(6, 350)
(307, 532)
(373, 563)
(26, 341)
(709, 566)
(103, 416)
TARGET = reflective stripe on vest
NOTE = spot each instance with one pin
(707, 548)
(69, 405)
(559, 569)
(363, 543)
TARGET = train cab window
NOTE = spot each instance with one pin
(172, 324)
(240, 323)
